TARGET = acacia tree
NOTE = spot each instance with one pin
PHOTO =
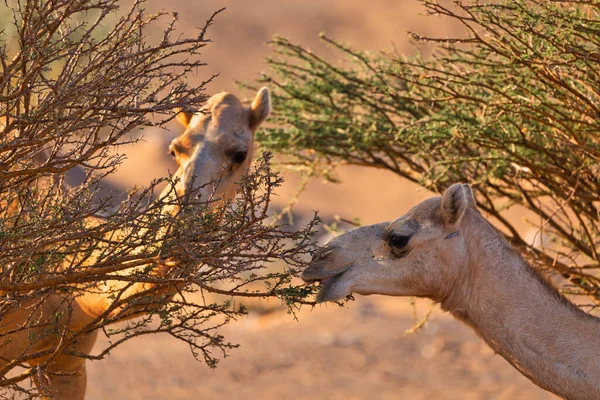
(512, 107)
(77, 78)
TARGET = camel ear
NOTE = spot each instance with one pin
(184, 117)
(260, 108)
(454, 204)
(471, 202)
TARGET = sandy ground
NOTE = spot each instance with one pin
(358, 352)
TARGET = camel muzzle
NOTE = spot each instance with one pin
(320, 268)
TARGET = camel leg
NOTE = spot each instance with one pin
(65, 377)
(59, 383)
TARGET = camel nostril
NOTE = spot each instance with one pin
(321, 254)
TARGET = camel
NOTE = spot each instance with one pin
(216, 146)
(445, 250)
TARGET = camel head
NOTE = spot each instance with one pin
(419, 254)
(215, 150)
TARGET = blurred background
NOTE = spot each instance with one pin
(357, 352)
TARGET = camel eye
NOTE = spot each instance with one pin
(172, 153)
(239, 157)
(399, 241)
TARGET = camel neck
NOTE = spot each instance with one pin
(524, 319)
(166, 209)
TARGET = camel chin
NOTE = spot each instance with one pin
(334, 288)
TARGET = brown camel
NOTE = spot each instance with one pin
(445, 250)
(216, 146)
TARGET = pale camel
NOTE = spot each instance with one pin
(216, 147)
(445, 250)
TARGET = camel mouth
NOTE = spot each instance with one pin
(324, 281)
(328, 282)
(326, 286)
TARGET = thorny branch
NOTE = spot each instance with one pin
(77, 78)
